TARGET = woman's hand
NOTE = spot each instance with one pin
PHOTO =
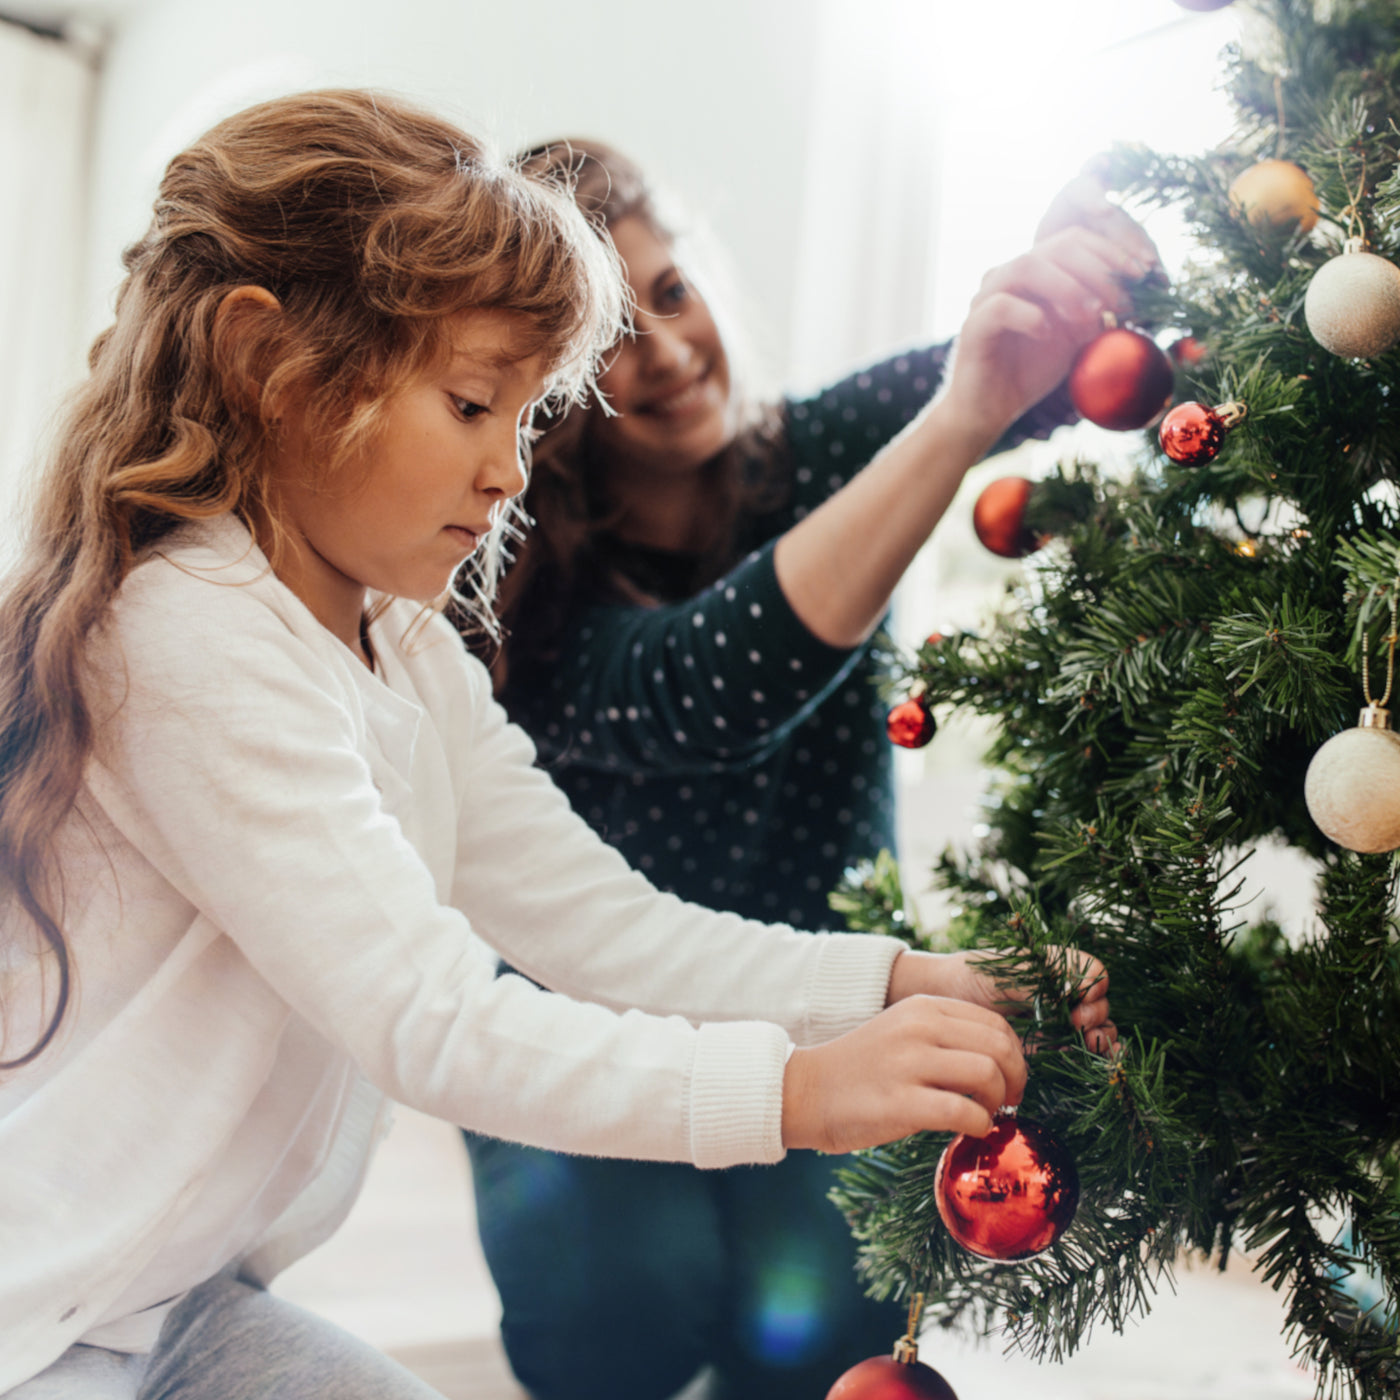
(959, 975)
(1032, 315)
(1084, 203)
(928, 1064)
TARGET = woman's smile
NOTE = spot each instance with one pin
(676, 401)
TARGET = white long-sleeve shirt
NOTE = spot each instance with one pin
(281, 880)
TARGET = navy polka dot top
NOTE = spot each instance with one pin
(731, 756)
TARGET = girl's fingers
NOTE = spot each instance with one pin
(956, 1033)
(1092, 990)
(1089, 1014)
(936, 1110)
(956, 1012)
(996, 1042)
(966, 1072)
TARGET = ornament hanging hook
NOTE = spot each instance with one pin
(906, 1349)
(1371, 702)
(1356, 230)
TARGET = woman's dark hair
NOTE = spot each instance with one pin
(569, 549)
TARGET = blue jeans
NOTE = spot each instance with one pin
(620, 1280)
(230, 1340)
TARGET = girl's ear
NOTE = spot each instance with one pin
(246, 330)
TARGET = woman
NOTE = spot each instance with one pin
(686, 642)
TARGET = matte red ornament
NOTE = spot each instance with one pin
(1193, 433)
(910, 724)
(1010, 1194)
(999, 518)
(884, 1378)
(1121, 380)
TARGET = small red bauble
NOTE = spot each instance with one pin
(1121, 380)
(909, 724)
(1008, 1195)
(1193, 433)
(999, 518)
(884, 1378)
(1187, 352)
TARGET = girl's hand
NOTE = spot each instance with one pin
(958, 975)
(927, 1064)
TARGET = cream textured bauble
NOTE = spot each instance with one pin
(1353, 304)
(1353, 785)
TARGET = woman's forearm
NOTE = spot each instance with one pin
(839, 565)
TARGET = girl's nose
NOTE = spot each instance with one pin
(500, 473)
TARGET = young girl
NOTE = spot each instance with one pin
(684, 641)
(260, 816)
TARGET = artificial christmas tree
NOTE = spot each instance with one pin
(1166, 671)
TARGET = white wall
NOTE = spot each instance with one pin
(805, 131)
(45, 97)
(712, 95)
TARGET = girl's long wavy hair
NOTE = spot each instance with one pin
(568, 546)
(370, 221)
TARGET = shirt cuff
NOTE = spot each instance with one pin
(848, 985)
(736, 1093)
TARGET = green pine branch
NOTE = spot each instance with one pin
(1159, 682)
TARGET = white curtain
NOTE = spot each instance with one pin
(865, 264)
(46, 90)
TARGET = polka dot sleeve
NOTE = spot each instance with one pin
(834, 433)
(699, 686)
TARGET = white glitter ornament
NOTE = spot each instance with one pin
(1353, 303)
(1352, 786)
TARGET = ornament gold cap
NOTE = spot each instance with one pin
(1232, 412)
(906, 1351)
(1374, 717)
(1355, 245)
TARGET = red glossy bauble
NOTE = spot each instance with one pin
(999, 518)
(883, 1378)
(1121, 380)
(1010, 1194)
(910, 725)
(1192, 434)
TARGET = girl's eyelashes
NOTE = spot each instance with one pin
(467, 409)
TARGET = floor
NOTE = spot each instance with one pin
(406, 1272)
